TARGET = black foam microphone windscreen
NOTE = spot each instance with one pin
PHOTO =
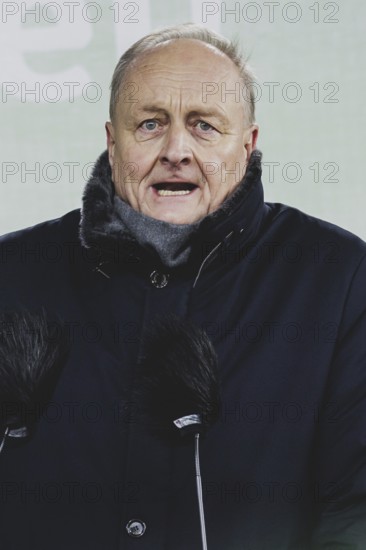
(32, 353)
(179, 374)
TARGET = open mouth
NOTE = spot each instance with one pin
(173, 189)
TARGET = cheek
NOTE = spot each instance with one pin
(117, 170)
(224, 170)
(215, 164)
(136, 163)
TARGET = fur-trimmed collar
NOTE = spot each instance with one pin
(101, 224)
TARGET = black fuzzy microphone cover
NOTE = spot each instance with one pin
(179, 375)
(31, 356)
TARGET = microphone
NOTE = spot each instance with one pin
(31, 357)
(179, 376)
(180, 386)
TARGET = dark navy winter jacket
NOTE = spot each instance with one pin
(282, 295)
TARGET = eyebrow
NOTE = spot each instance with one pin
(195, 112)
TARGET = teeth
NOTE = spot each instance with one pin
(167, 192)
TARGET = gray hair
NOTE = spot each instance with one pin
(185, 30)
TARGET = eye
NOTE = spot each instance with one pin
(149, 125)
(205, 126)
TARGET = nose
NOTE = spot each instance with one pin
(176, 150)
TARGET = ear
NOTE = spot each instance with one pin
(110, 142)
(251, 137)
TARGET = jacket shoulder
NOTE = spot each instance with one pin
(301, 227)
(59, 229)
(36, 260)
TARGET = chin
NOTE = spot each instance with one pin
(175, 217)
(177, 220)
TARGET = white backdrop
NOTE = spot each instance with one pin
(57, 59)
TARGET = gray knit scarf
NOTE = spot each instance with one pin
(172, 242)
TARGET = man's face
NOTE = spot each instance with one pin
(179, 150)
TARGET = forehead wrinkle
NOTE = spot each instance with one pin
(164, 74)
(191, 91)
(189, 108)
(166, 92)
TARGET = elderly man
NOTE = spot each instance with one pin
(173, 221)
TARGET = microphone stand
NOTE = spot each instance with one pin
(3, 439)
(199, 490)
(187, 424)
